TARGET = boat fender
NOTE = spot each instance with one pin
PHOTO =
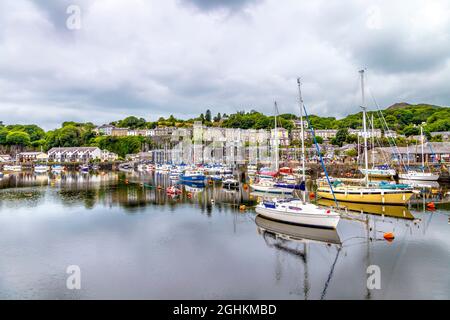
(389, 236)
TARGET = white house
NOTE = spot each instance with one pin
(74, 154)
(109, 156)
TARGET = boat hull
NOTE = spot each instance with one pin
(380, 197)
(305, 219)
(431, 177)
(273, 190)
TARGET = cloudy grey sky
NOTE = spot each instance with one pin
(156, 58)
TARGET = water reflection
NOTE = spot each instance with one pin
(200, 245)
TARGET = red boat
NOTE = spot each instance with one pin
(286, 170)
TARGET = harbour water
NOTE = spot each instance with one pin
(131, 240)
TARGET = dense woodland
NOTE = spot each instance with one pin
(402, 117)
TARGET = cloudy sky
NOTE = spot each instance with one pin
(180, 57)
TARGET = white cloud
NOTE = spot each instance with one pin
(153, 58)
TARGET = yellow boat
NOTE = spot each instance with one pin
(377, 209)
(362, 194)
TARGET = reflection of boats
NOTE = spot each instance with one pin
(390, 211)
(173, 190)
(192, 176)
(297, 212)
(41, 169)
(57, 168)
(84, 168)
(193, 188)
(15, 168)
(296, 232)
(230, 182)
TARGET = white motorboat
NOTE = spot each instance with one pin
(268, 186)
(379, 172)
(41, 169)
(252, 169)
(296, 211)
(417, 175)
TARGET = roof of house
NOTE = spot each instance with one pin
(428, 148)
(72, 149)
(31, 153)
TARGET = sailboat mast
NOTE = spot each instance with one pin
(364, 127)
(276, 138)
(421, 139)
(373, 143)
(301, 126)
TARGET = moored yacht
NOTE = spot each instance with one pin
(297, 212)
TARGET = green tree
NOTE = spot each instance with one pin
(18, 138)
(132, 122)
(341, 137)
(208, 115)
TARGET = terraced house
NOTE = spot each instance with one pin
(80, 154)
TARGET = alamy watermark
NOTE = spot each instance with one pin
(73, 21)
(73, 281)
(374, 278)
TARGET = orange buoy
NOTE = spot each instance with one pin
(389, 236)
(431, 206)
(312, 195)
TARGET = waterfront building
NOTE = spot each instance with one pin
(75, 154)
(32, 156)
(5, 158)
(433, 152)
(108, 156)
(444, 134)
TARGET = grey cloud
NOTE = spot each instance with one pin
(208, 5)
(156, 58)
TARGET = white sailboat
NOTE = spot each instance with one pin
(419, 175)
(377, 171)
(297, 211)
(366, 193)
(266, 183)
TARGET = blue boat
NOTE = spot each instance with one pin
(192, 176)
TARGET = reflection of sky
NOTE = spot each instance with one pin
(179, 251)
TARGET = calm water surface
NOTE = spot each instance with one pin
(133, 241)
